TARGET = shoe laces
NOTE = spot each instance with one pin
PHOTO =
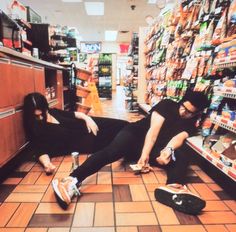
(71, 187)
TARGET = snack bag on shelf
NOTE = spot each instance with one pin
(220, 30)
(231, 22)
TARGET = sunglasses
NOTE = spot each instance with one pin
(187, 111)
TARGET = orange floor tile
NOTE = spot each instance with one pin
(113, 200)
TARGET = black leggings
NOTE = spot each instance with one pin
(128, 144)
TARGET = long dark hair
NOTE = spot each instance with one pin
(33, 101)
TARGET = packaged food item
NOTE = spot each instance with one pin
(220, 30)
(232, 19)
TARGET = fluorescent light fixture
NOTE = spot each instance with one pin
(110, 35)
(72, 0)
(94, 8)
(152, 1)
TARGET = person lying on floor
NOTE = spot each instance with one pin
(54, 132)
(156, 138)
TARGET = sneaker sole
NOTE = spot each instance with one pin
(59, 198)
(183, 202)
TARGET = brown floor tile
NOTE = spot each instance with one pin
(133, 207)
(25, 167)
(13, 181)
(104, 178)
(214, 187)
(5, 191)
(22, 215)
(51, 220)
(93, 229)
(12, 229)
(129, 180)
(152, 187)
(65, 167)
(49, 195)
(104, 214)
(7, 210)
(95, 197)
(44, 179)
(135, 219)
(231, 204)
(24, 197)
(84, 215)
(36, 230)
(61, 158)
(30, 188)
(186, 219)
(149, 178)
(98, 188)
(223, 217)
(117, 167)
(123, 174)
(205, 192)
(162, 211)
(127, 229)
(91, 179)
(106, 168)
(231, 228)
(31, 178)
(54, 208)
(161, 176)
(215, 228)
(121, 193)
(183, 228)
(149, 229)
(215, 206)
(205, 178)
(138, 192)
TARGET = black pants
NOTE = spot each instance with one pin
(128, 144)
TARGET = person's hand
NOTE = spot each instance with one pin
(143, 161)
(165, 156)
(91, 125)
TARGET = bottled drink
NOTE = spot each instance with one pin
(75, 160)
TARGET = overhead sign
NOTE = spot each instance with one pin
(90, 47)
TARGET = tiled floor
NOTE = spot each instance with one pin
(114, 199)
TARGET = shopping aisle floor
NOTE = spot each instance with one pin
(113, 200)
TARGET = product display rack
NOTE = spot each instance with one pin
(192, 47)
(131, 81)
(105, 75)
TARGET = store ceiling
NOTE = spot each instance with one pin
(117, 16)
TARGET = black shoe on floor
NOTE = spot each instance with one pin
(179, 198)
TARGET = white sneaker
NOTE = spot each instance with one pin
(180, 198)
(65, 189)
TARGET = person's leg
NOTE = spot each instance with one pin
(175, 194)
(177, 170)
(125, 144)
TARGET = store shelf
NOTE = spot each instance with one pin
(226, 62)
(224, 123)
(225, 92)
(223, 163)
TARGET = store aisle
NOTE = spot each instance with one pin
(113, 200)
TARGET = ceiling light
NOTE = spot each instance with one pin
(152, 1)
(72, 0)
(94, 8)
(110, 35)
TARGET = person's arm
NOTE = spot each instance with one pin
(175, 143)
(90, 123)
(155, 125)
